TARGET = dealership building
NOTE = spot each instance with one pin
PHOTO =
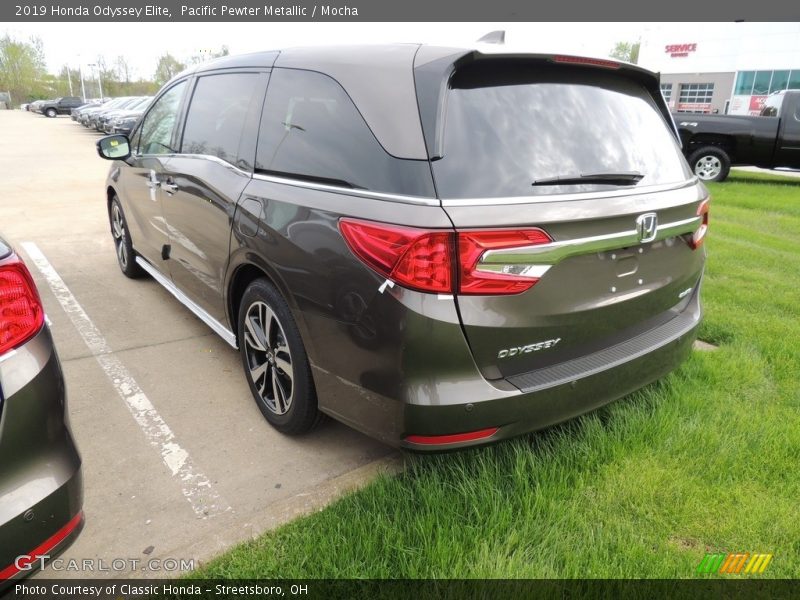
(725, 68)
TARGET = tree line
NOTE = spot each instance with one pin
(24, 74)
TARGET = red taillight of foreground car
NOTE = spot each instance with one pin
(452, 438)
(471, 247)
(700, 235)
(31, 560)
(429, 260)
(21, 312)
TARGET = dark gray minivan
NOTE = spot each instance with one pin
(436, 246)
(41, 490)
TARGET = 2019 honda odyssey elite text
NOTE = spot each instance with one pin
(437, 246)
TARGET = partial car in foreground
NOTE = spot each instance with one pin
(41, 492)
(437, 246)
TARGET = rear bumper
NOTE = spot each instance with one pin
(41, 491)
(505, 408)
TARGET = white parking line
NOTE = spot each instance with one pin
(196, 486)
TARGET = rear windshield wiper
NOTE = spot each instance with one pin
(625, 178)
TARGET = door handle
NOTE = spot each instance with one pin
(152, 180)
(169, 186)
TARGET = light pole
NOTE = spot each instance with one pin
(99, 83)
(69, 78)
(83, 85)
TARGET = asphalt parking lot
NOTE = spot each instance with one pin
(178, 461)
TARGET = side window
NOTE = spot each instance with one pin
(155, 135)
(772, 106)
(311, 130)
(217, 115)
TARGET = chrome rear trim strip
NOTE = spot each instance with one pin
(220, 329)
(550, 254)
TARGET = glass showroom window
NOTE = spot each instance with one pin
(744, 83)
(761, 85)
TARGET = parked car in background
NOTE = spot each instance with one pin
(104, 119)
(84, 115)
(123, 121)
(93, 119)
(60, 106)
(76, 112)
(712, 143)
(40, 469)
(553, 266)
(35, 105)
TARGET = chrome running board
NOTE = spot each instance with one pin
(220, 329)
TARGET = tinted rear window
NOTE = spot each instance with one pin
(509, 125)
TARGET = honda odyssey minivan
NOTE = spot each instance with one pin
(437, 246)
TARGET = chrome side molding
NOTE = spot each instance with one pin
(220, 329)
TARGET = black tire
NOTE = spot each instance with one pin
(123, 246)
(275, 362)
(51, 112)
(710, 163)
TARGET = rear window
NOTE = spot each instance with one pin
(507, 126)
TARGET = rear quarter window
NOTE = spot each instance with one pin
(311, 130)
(508, 125)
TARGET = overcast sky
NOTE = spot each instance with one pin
(143, 43)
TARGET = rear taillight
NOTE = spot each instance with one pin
(21, 312)
(429, 260)
(416, 258)
(699, 235)
(478, 279)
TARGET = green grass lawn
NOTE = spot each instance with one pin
(708, 459)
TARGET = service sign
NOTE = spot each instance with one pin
(680, 50)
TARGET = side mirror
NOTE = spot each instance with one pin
(114, 147)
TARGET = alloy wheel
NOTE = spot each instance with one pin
(269, 360)
(119, 233)
(708, 167)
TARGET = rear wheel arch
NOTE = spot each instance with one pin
(242, 277)
(723, 142)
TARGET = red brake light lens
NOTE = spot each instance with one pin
(427, 260)
(416, 258)
(699, 236)
(453, 438)
(21, 312)
(473, 244)
(582, 60)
